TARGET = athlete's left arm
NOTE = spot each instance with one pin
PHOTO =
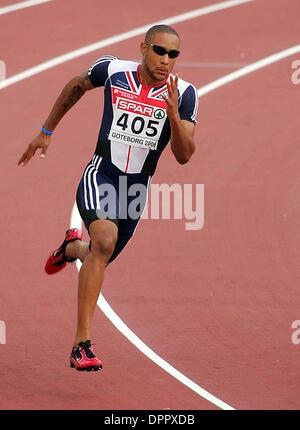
(182, 131)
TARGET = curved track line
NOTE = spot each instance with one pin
(21, 5)
(76, 222)
(118, 38)
(106, 308)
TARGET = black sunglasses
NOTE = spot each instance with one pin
(159, 50)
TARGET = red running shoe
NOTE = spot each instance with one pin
(83, 357)
(58, 260)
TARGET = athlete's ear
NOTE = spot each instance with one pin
(143, 47)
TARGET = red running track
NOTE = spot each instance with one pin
(222, 313)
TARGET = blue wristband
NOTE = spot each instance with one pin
(44, 130)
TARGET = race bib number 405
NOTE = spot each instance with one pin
(137, 124)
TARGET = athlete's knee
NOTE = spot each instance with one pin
(103, 240)
(104, 246)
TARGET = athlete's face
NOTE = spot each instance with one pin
(159, 66)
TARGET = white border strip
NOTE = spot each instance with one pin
(106, 308)
(75, 218)
(22, 5)
(115, 39)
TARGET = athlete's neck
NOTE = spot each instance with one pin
(146, 79)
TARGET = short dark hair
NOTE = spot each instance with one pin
(160, 28)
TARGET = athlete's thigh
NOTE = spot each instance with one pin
(91, 197)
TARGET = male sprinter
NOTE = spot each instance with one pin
(145, 107)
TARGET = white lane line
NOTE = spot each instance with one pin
(205, 64)
(106, 308)
(209, 65)
(250, 68)
(76, 222)
(118, 38)
(21, 5)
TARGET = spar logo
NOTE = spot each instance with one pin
(135, 107)
(159, 114)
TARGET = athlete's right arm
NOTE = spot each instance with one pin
(70, 95)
